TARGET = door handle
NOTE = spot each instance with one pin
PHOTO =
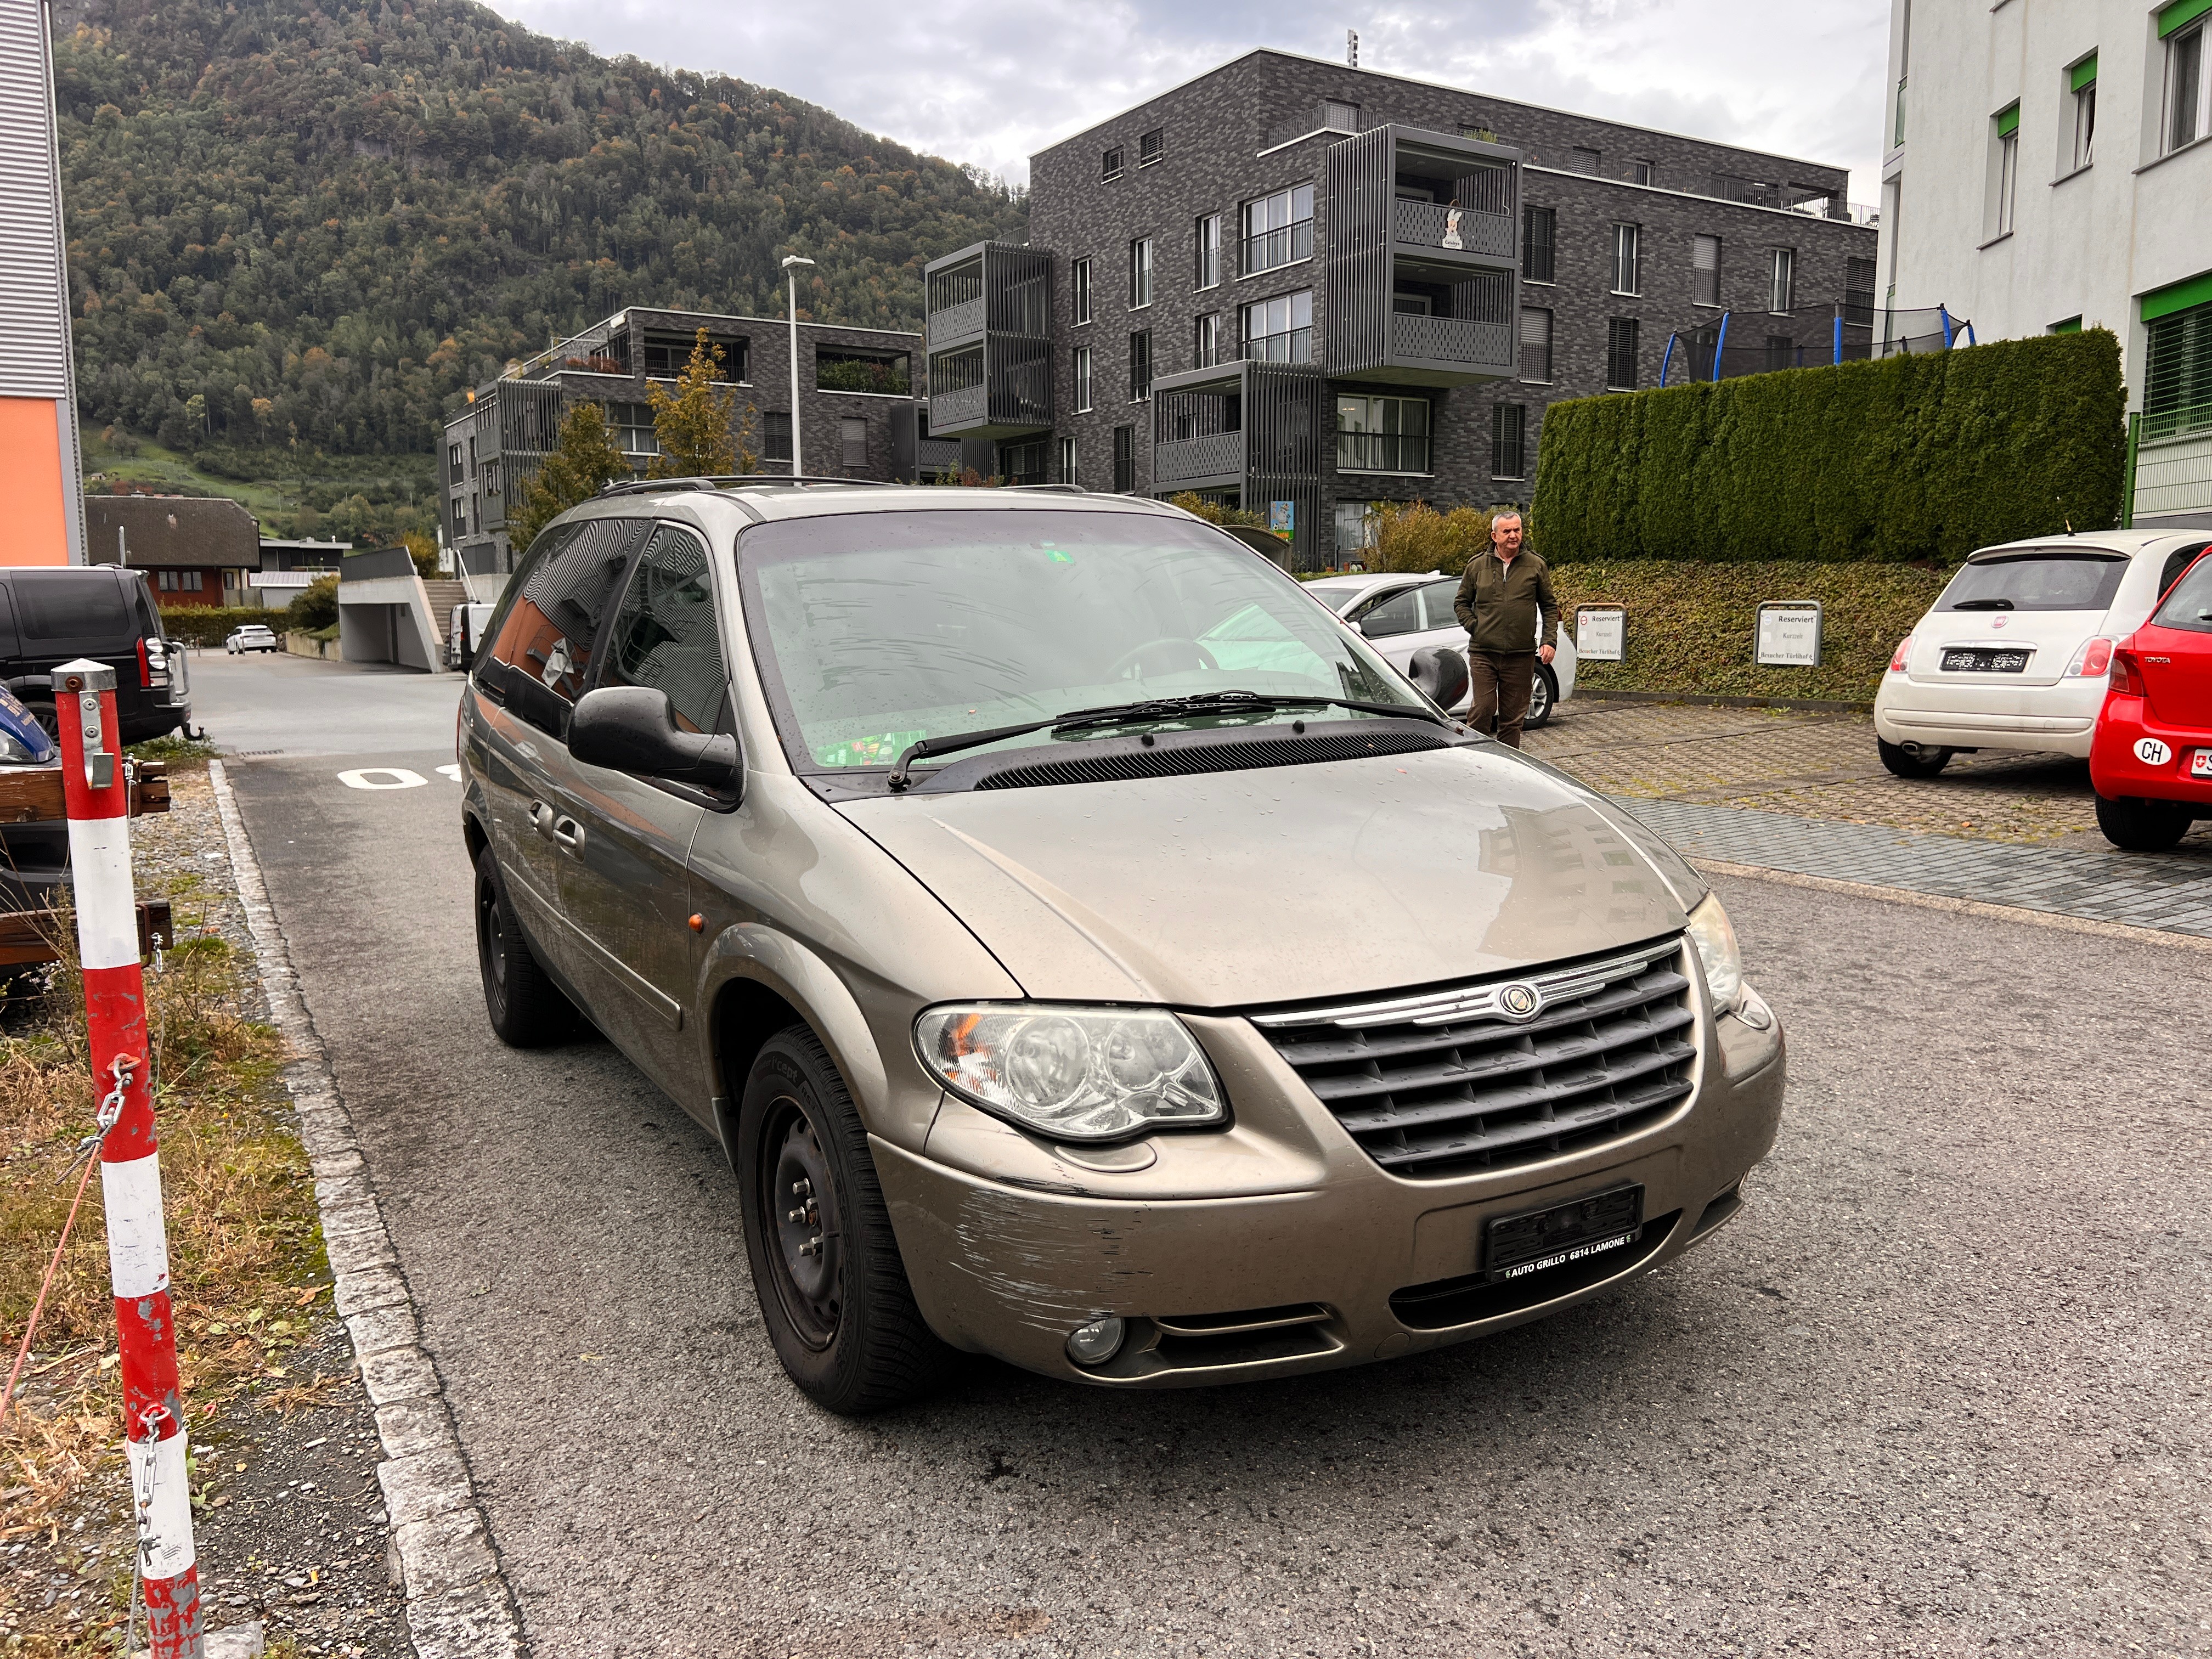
(541, 818)
(567, 832)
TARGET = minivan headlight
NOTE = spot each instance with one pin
(1073, 1073)
(1714, 938)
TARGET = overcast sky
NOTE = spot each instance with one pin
(988, 81)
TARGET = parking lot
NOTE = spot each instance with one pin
(1937, 1390)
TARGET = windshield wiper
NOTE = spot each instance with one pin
(1985, 604)
(1156, 708)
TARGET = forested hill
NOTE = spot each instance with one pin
(323, 221)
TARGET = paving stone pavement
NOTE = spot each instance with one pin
(1803, 792)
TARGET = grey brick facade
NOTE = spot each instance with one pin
(1260, 123)
(491, 449)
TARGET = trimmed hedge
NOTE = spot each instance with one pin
(1690, 624)
(1923, 456)
(211, 625)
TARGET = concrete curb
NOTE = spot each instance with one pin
(2111, 930)
(458, 1606)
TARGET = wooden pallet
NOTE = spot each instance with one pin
(34, 795)
(28, 938)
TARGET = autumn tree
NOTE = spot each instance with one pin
(583, 460)
(696, 426)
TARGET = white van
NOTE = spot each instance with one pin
(468, 627)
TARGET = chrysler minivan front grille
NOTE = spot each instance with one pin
(1505, 1070)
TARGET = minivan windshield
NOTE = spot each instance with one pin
(2041, 579)
(874, 631)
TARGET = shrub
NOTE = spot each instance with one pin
(1415, 537)
(211, 625)
(424, 551)
(1906, 457)
(1213, 512)
(315, 606)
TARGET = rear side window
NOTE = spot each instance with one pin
(1398, 614)
(74, 607)
(2061, 579)
(541, 654)
(1437, 601)
(2177, 562)
(664, 635)
(2190, 606)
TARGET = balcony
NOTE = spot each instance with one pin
(988, 337)
(1424, 258)
(1246, 429)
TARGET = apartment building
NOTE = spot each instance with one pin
(858, 417)
(2046, 167)
(1302, 288)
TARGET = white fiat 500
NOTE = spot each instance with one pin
(2016, 652)
(1404, 614)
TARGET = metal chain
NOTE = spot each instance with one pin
(122, 1068)
(149, 1420)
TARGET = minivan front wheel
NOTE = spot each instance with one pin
(525, 1008)
(833, 1289)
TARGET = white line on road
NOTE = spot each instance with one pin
(399, 776)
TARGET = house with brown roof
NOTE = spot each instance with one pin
(195, 550)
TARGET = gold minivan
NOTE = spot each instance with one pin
(1087, 949)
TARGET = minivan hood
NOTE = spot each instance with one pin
(1231, 889)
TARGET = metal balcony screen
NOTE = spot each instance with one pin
(1705, 269)
(1277, 229)
(2177, 373)
(1538, 228)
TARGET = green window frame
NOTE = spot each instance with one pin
(2083, 74)
(2009, 117)
(2180, 15)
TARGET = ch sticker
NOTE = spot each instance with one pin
(2151, 752)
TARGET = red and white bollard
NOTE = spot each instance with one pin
(99, 803)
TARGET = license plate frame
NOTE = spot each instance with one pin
(1565, 1230)
(1984, 659)
(2200, 763)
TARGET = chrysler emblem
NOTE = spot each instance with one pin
(1520, 1000)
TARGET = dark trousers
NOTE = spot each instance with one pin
(1503, 680)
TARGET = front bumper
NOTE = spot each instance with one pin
(1010, 1246)
(1950, 714)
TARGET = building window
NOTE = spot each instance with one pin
(1781, 352)
(775, 436)
(1508, 429)
(1023, 463)
(1339, 117)
(2185, 87)
(1151, 146)
(460, 518)
(1140, 365)
(1621, 334)
(1125, 459)
(472, 458)
(1584, 160)
(453, 463)
(2006, 176)
(1640, 172)
(1277, 229)
(1280, 330)
(2177, 373)
(853, 439)
(1355, 526)
(668, 355)
(1536, 346)
(1627, 258)
(1858, 292)
(1082, 379)
(1069, 472)
(491, 470)
(631, 425)
(1079, 281)
(1899, 137)
(1140, 273)
(1382, 435)
(1207, 243)
(1539, 227)
(1206, 345)
(1705, 269)
(1782, 281)
(2082, 78)
(1110, 165)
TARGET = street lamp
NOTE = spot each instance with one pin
(791, 264)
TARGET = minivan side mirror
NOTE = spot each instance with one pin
(1441, 674)
(632, 729)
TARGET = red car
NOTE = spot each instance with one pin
(2151, 760)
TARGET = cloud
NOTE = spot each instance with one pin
(991, 84)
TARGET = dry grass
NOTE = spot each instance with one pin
(244, 1249)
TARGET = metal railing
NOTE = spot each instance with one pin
(1452, 340)
(1381, 451)
(955, 321)
(960, 407)
(1271, 248)
(2172, 475)
(1178, 460)
(1432, 224)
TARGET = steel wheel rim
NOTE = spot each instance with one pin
(798, 1214)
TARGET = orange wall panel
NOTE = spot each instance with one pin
(35, 528)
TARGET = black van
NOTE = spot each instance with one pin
(49, 616)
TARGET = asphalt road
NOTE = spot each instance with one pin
(271, 704)
(1940, 1388)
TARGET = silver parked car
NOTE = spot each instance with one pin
(1088, 951)
(1408, 614)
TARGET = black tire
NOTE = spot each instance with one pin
(2142, 826)
(832, 1286)
(1543, 698)
(1907, 764)
(526, 1009)
(40, 706)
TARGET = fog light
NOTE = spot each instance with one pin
(1096, 1343)
(1754, 1012)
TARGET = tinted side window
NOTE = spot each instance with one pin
(2189, 604)
(665, 636)
(92, 606)
(2177, 562)
(1398, 614)
(1437, 599)
(543, 645)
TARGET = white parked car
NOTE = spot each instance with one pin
(2016, 652)
(1404, 614)
(253, 636)
(466, 633)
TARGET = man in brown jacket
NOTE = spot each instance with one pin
(1501, 599)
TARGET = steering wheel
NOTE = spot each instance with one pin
(1177, 654)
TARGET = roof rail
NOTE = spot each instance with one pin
(738, 480)
(1056, 489)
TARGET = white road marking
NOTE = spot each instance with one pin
(398, 778)
(453, 772)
